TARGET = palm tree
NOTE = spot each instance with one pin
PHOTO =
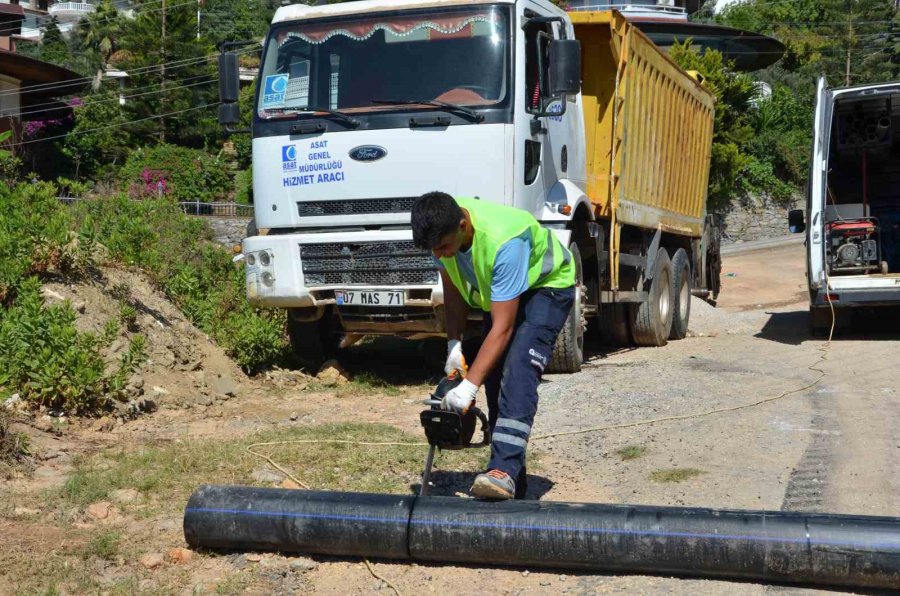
(99, 32)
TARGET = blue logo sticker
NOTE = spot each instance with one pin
(367, 153)
(556, 108)
(274, 89)
(288, 158)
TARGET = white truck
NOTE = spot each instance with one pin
(853, 202)
(578, 118)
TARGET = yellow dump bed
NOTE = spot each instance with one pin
(648, 128)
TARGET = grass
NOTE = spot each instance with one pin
(104, 545)
(675, 474)
(13, 449)
(167, 474)
(631, 452)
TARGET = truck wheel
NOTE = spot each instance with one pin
(568, 352)
(613, 322)
(651, 321)
(314, 342)
(681, 286)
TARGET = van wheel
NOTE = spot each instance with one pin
(820, 320)
(651, 321)
(613, 323)
(314, 342)
(568, 352)
(681, 285)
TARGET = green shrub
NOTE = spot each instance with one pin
(178, 173)
(197, 275)
(243, 187)
(45, 359)
(36, 237)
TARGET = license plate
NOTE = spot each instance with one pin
(366, 298)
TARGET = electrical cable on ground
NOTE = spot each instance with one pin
(304, 485)
(824, 349)
(376, 576)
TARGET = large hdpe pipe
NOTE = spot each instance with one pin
(771, 546)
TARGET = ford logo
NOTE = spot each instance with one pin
(367, 153)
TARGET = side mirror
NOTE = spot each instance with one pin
(796, 222)
(565, 67)
(229, 78)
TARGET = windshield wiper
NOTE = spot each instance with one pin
(348, 120)
(472, 114)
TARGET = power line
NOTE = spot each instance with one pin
(119, 98)
(141, 88)
(45, 87)
(118, 125)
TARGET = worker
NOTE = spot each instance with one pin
(500, 260)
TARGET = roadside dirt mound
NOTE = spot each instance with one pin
(183, 367)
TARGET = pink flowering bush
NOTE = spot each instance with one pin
(180, 173)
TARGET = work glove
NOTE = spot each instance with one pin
(455, 359)
(460, 398)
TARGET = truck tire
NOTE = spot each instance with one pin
(613, 323)
(651, 321)
(313, 342)
(568, 352)
(681, 290)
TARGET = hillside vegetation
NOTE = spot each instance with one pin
(45, 358)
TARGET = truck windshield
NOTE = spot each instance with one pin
(457, 57)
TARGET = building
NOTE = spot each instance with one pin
(37, 13)
(27, 84)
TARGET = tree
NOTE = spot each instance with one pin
(236, 20)
(53, 46)
(97, 142)
(863, 46)
(163, 55)
(849, 41)
(99, 34)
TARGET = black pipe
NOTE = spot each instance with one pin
(772, 546)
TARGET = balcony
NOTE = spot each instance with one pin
(640, 10)
(70, 11)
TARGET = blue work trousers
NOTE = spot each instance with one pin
(511, 387)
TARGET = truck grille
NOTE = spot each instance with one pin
(367, 264)
(355, 207)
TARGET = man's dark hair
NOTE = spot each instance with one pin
(434, 215)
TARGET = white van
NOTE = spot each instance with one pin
(853, 206)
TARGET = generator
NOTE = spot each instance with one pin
(853, 246)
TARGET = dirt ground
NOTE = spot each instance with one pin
(832, 444)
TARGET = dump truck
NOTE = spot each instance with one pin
(578, 118)
(853, 202)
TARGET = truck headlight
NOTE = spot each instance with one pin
(251, 259)
(268, 279)
(264, 259)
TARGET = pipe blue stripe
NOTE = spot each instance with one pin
(611, 531)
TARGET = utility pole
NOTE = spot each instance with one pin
(849, 46)
(162, 70)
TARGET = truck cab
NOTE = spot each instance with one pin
(364, 106)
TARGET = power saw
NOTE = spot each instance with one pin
(445, 429)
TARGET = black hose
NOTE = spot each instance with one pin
(772, 546)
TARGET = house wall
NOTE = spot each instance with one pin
(10, 105)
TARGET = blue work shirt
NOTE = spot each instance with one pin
(510, 275)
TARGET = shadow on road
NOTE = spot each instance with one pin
(874, 324)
